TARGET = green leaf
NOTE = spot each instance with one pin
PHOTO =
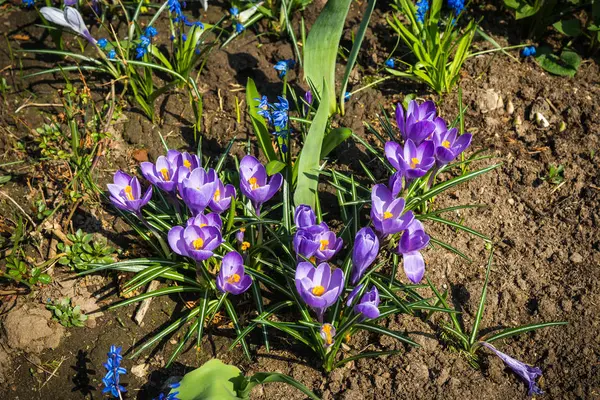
(565, 65)
(274, 167)
(358, 39)
(45, 279)
(267, 377)
(569, 27)
(308, 162)
(334, 139)
(321, 49)
(4, 179)
(481, 307)
(384, 331)
(258, 122)
(521, 329)
(212, 381)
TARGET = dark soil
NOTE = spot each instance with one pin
(547, 237)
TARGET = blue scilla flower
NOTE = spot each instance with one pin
(140, 52)
(283, 66)
(347, 96)
(422, 8)
(175, 7)
(113, 372)
(264, 103)
(144, 41)
(283, 104)
(112, 54)
(284, 148)
(102, 43)
(150, 32)
(528, 51)
(184, 37)
(234, 12)
(239, 27)
(280, 119)
(390, 63)
(456, 6)
(28, 3)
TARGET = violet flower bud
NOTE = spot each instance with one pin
(366, 248)
(318, 287)
(412, 241)
(413, 161)
(387, 212)
(195, 242)
(528, 373)
(368, 304)
(254, 184)
(232, 278)
(68, 18)
(304, 216)
(126, 193)
(395, 184)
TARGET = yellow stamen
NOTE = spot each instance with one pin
(446, 144)
(347, 338)
(165, 174)
(387, 215)
(202, 225)
(128, 192)
(313, 259)
(318, 290)
(235, 278)
(242, 229)
(217, 196)
(187, 163)
(253, 183)
(327, 331)
(324, 244)
(414, 161)
(198, 243)
(245, 246)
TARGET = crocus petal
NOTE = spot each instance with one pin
(414, 266)
(75, 22)
(176, 242)
(392, 151)
(400, 119)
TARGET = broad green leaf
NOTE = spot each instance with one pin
(212, 381)
(334, 139)
(258, 122)
(321, 49)
(569, 27)
(565, 65)
(308, 162)
(274, 167)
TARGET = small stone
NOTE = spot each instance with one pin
(140, 370)
(510, 107)
(511, 202)
(576, 258)
(490, 100)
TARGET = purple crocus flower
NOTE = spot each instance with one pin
(368, 304)
(163, 173)
(412, 160)
(528, 373)
(448, 146)
(201, 220)
(231, 278)
(304, 216)
(198, 189)
(387, 211)
(305, 244)
(417, 124)
(68, 18)
(195, 242)
(395, 183)
(412, 241)
(126, 193)
(317, 241)
(70, 3)
(254, 184)
(366, 248)
(327, 332)
(319, 287)
(221, 200)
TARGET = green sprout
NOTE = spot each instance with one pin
(556, 175)
(84, 251)
(67, 315)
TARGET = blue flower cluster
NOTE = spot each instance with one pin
(145, 40)
(456, 5)
(114, 370)
(422, 8)
(102, 42)
(275, 114)
(175, 8)
(528, 51)
(283, 66)
(28, 3)
(390, 63)
(170, 396)
(235, 15)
